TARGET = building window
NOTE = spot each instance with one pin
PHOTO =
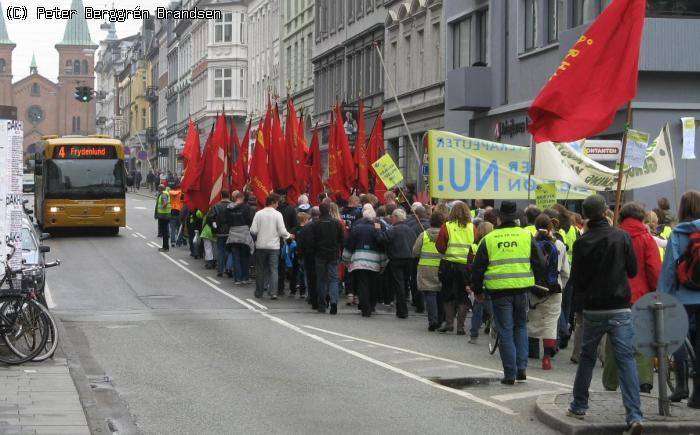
(143, 118)
(665, 8)
(76, 124)
(461, 42)
(35, 90)
(69, 67)
(482, 35)
(530, 24)
(420, 51)
(585, 11)
(223, 28)
(76, 67)
(553, 20)
(2, 65)
(222, 82)
(242, 83)
(289, 63)
(243, 38)
(85, 67)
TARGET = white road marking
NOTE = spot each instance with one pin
(142, 236)
(408, 360)
(525, 394)
(140, 208)
(129, 228)
(47, 295)
(447, 360)
(347, 340)
(213, 280)
(134, 235)
(152, 245)
(184, 262)
(429, 369)
(261, 306)
(364, 357)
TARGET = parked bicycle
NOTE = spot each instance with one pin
(25, 324)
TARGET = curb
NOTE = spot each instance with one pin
(142, 194)
(549, 413)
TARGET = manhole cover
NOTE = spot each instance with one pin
(462, 383)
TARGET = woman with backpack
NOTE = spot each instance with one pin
(545, 306)
(680, 274)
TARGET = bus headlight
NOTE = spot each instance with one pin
(116, 209)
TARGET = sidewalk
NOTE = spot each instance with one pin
(40, 398)
(606, 415)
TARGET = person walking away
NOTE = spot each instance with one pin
(679, 277)
(665, 206)
(398, 242)
(239, 217)
(419, 222)
(176, 201)
(507, 264)
(268, 228)
(162, 214)
(545, 306)
(289, 216)
(218, 217)
(305, 253)
(648, 270)
(150, 180)
(478, 309)
(456, 243)
(603, 261)
(137, 180)
(351, 212)
(532, 213)
(327, 239)
(194, 226)
(365, 260)
(569, 233)
(209, 243)
(298, 271)
(427, 280)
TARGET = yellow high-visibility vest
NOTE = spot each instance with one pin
(460, 241)
(429, 255)
(509, 251)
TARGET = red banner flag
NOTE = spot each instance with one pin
(281, 171)
(259, 168)
(295, 160)
(191, 152)
(597, 76)
(214, 177)
(194, 185)
(361, 152)
(345, 158)
(375, 151)
(336, 174)
(316, 172)
(239, 173)
(235, 150)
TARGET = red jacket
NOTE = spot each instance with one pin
(648, 259)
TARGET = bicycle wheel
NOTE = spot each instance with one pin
(493, 339)
(51, 342)
(25, 329)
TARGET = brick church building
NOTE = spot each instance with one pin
(48, 107)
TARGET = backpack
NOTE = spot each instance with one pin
(551, 257)
(222, 225)
(688, 266)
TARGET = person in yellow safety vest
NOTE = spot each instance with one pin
(507, 264)
(456, 242)
(531, 213)
(176, 200)
(162, 213)
(429, 259)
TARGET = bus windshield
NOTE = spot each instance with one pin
(84, 178)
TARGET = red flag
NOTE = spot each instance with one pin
(214, 178)
(336, 179)
(278, 155)
(191, 151)
(295, 150)
(259, 168)
(316, 172)
(347, 168)
(196, 195)
(375, 151)
(361, 152)
(239, 173)
(597, 76)
(235, 150)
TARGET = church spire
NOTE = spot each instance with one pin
(33, 69)
(4, 37)
(77, 32)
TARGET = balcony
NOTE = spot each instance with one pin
(152, 93)
(469, 88)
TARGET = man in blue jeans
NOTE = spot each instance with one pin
(506, 264)
(603, 261)
(327, 236)
(268, 228)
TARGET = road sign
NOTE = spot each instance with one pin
(142, 155)
(424, 170)
(675, 323)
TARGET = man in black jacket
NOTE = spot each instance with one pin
(603, 260)
(217, 216)
(289, 214)
(327, 239)
(239, 216)
(305, 252)
(398, 240)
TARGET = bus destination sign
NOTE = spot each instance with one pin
(84, 152)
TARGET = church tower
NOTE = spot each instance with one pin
(76, 68)
(6, 47)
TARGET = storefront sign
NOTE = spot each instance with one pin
(601, 150)
(510, 128)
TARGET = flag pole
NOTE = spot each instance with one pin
(621, 173)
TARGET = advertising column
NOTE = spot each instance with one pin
(11, 137)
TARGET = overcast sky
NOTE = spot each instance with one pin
(40, 36)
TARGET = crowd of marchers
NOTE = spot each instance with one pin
(541, 276)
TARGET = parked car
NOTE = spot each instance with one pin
(33, 258)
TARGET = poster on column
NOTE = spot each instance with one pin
(11, 211)
(462, 167)
(688, 138)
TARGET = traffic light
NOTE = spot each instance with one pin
(83, 93)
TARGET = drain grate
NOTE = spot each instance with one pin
(466, 382)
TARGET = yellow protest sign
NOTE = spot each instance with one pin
(469, 168)
(546, 195)
(388, 171)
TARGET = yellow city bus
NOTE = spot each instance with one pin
(80, 181)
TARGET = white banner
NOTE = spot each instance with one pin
(688, 138)
(559, 161)
(11, 211)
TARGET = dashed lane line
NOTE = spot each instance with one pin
(184, 262)
(259, 305)
(438, 358)
(128, 228)
(141, 235)
(134, 235)
(213, 280)
(356, 354)
(152, 245)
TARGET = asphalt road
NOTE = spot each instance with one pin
(159, 345)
